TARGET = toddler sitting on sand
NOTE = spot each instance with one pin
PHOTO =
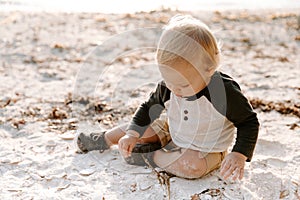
(202, 110)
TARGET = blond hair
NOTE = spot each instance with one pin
(187, 38)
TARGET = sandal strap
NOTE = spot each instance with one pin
(142, 154)
(100, 139)
(141, 159)
(146, 147)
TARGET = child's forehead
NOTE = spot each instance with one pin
(177, 62)
(175, 77)
(178, 65)
(182, 72)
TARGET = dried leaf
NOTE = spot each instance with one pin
(283, 194)
(195, 197)
(87, 172)
(67, 136)
(133, 187)
(63, 187)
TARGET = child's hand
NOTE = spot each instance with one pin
(233, 165)
(126, 144)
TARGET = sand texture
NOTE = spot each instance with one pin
(56, 79)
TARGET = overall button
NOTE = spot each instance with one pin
(185, 112)
(185, 118)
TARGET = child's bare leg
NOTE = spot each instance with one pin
(113, 136)
(102, 141)
(186, 163)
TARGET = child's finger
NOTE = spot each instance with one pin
(241, 173)
(224, 167)
(124, 153)
(127, 151)
(130, 148)
(123, 149)
(227, 173)
(236, 173)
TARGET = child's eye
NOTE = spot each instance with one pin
(184, 86)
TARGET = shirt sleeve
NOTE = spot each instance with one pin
(150, 110)
(239, 111)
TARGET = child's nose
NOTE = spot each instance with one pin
(177, 90)
(174, 89)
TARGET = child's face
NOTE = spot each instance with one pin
(183, 79)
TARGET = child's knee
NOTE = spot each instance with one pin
(192, 169)
(183, 165)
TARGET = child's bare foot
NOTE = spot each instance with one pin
(91, 141)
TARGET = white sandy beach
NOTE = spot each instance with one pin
(54, 83)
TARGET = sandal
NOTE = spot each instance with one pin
(92, 141)
(142, 154)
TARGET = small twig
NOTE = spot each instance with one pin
(162, 176)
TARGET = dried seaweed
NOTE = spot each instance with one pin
(5, 103)
(163, 178)
(213, 192)
(286, 108)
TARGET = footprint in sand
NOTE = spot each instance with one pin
(269, 182)
(271, 148)
(277, 162)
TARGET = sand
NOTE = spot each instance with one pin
(57, 78)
